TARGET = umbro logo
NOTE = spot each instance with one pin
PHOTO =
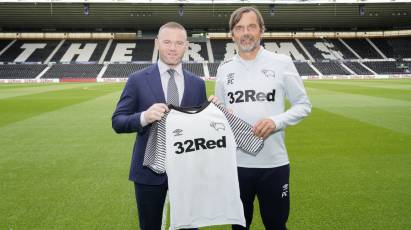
(217, 125)
(178, 132)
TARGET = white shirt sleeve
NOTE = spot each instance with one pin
(219, 91)
(296, 94)
(143, 121)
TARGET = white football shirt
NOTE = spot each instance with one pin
(197, 149)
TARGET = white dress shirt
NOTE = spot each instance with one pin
(164, 77)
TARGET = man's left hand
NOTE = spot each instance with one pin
(264, 127)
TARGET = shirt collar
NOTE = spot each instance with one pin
(163, 67)
(256, 57)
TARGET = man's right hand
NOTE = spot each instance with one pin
(155, 112)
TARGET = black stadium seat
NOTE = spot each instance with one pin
(142, 51)
(196, 68)
(20, 71)
(80, 58)
(358, 68)
(4, 43)
(394, 47)
(388, 67)
(123, 70)
(330, 68)
(41, 50)
(97, 47)
(363, 48)
(73, 71)
(212, 69)
(304, 69)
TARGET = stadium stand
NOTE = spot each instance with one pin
(321, 50)
(363, 48)
(126, 51)
(330, 68)
(338, 45)
(212, 68)
(80, 51)
(358, 68)
(123, 70)
(86, 58)
(20, 71)
(394, 47)
(73, 71)
(29, 51)
(288, 47)
(304, 69)
(219, 48)
(196, 68)
(3, 44)
(388, 67)
(197, 52)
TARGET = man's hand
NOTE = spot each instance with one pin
(213, 99)
(155, 112)
(264, 127)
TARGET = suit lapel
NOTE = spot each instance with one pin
(154, 82)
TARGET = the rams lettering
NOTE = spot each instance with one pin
(250, 95)
(197, 143)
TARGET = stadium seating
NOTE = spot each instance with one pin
(394, 47)
(219, 47)
(196, 68)
(330, 68)
(3, 44)
(387, 67)
(363, 48)
(25, 71)
(122, 70)
(212, 68)
(80, 51)
(338, 45)
(320, 49)
(358, 68)
(289, 47)
(73, 71)
(86, 58)
(29, 51)
(304, 69)
(128, 51)
(197, 52)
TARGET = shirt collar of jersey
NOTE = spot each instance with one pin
(249, 63)
(163, 67)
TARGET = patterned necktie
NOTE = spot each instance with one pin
(172, 92)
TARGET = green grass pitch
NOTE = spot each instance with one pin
(63, 167)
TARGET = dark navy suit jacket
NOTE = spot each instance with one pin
(142, 90)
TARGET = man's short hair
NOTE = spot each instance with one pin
(172, 25)
(238, 13)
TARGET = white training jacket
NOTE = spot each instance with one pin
(258, 89)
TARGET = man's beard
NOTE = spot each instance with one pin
(248, 48)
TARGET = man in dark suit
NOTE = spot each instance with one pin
(142, 102)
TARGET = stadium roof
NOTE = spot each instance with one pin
(200, 15)
(211, 1)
